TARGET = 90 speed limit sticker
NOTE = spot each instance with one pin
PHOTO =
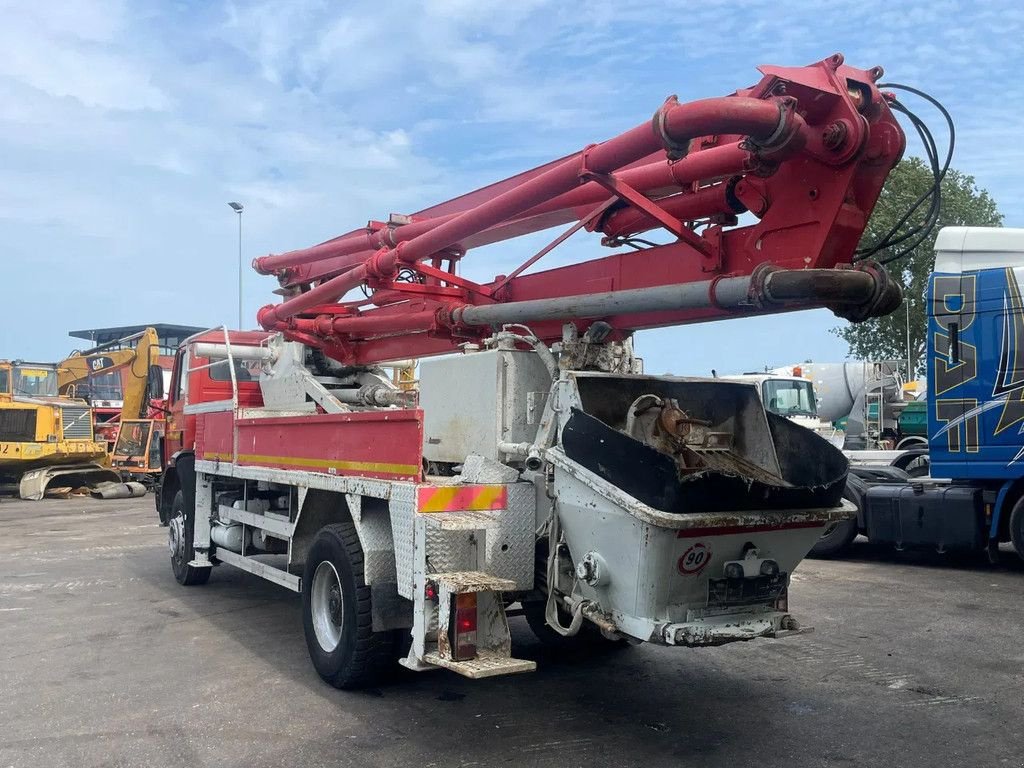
(695, 559)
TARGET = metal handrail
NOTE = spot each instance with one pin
(234, 399)
(230, 360)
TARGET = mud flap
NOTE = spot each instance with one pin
(34, 483)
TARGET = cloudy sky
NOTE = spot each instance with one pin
(126, 127)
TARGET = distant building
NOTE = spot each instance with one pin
(106, 390)
(170, 335)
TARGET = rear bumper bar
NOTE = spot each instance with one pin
(732, 628)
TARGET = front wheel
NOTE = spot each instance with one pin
(337, 617)
(180, 530)
(836, 540)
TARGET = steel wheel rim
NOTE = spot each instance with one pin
(327, 606)
(176, 537)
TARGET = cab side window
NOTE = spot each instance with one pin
(179, 384)
(5, 381)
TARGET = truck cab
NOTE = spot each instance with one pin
(974, 497)
(976, 358)
(198, 381)
(791, 397)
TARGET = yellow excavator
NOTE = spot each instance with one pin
(45, 437)
(95, 375)
(81, 369)
(48, 435)
(136, 452)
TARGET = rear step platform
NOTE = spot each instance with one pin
(486, 664)
(461, 582)
(487, 633)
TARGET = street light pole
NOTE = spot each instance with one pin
(238, 208)
(910, 373)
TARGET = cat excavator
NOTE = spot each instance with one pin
(104, 374)
(137, 427)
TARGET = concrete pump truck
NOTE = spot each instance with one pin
(537, 465)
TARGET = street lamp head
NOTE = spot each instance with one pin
(236, 207)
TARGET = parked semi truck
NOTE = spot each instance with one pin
(858, 405)
(539, 466)
(867, 399)
(974, 497)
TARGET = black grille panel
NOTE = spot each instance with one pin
(17, 425)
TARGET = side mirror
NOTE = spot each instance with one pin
(155, 382)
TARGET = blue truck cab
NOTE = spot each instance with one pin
(974, 498)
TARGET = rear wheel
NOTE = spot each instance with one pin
(839, 536)
(337, 616)
(180, 530)
(915, 462)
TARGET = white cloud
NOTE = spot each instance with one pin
(64, 51)
(127, 127)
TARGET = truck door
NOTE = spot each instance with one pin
(1001, 370)
(955, 393)
(174, 437)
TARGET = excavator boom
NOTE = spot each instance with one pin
(136, 391)
(75, 372)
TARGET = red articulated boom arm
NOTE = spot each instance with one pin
(805, 151)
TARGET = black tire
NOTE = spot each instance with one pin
(157, 500)
(360, 656)
(916, 463)
(1017, 527)
(182, 524)
(910, 443)
(837, 540)
(918, 470)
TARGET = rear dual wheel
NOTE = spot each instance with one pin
(337, 614)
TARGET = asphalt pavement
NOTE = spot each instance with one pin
(917, 660)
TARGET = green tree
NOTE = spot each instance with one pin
(963, 204)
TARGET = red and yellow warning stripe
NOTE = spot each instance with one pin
(461, 498)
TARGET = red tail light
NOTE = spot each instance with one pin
(462, 631)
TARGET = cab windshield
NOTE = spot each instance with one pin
(41, 382)
(133, 439)
(789, 398)
(101, 386)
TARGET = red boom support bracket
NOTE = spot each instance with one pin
(652, 209)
